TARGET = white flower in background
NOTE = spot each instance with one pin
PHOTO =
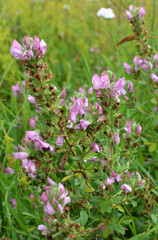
(67, 7)
(106, 13)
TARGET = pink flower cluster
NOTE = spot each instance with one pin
(79, 108)
(135, 12)
(116, 89)
(54, 198)
(29, 48)
(138, 64)
(31, 138)
(129, 128)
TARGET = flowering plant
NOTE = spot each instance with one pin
(76, 158)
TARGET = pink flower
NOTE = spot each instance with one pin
(128, 127)
(155, 109)
(119, 84)
(48, 209)
(28, 54)
(130, 87)
(126, 187)
(63, 94)
(99, 108)
(141, 13)
(129, 15)
(39, 46)
(118, 178)
(116, 138)
(81, 90)
(44, 229)
(32, 122)
(139, 129)
(60, 208)
(84, 124)
(110, 180)
(100, 83)
(13, 202)
(31, 99)
(59, 141)
(154, 77)
(90, 90)
(77, 108)
(95, 147)
(102, 186)
(44, 197)
(16, 50)
(9, 170)
(51, 182)
(128, 68)
(21, 155)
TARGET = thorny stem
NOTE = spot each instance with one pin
(79, 164)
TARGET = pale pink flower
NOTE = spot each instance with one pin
(50, 181)
(16, 50)
(126, 187)
(139, 129)
(128, 68)
(95, 147)
(9, 170)
(128, 127)
(59, 141)
(84, 124)
(102, 186)
(63, 94)
(154, 77)
(118, 178)
(116, 138)
(110, 180)
(32, 122)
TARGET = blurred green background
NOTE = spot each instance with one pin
(72, 30)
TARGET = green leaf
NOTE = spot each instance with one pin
(133, 203)
(83, 218)
(105, 206)
(153, 100)
(154, 218)
(119, 228)
(153, 147)
(106, 232)
(126, 220)
(120, 208)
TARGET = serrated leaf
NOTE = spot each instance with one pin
(67, 177)
(106, 232)
(64, 160)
